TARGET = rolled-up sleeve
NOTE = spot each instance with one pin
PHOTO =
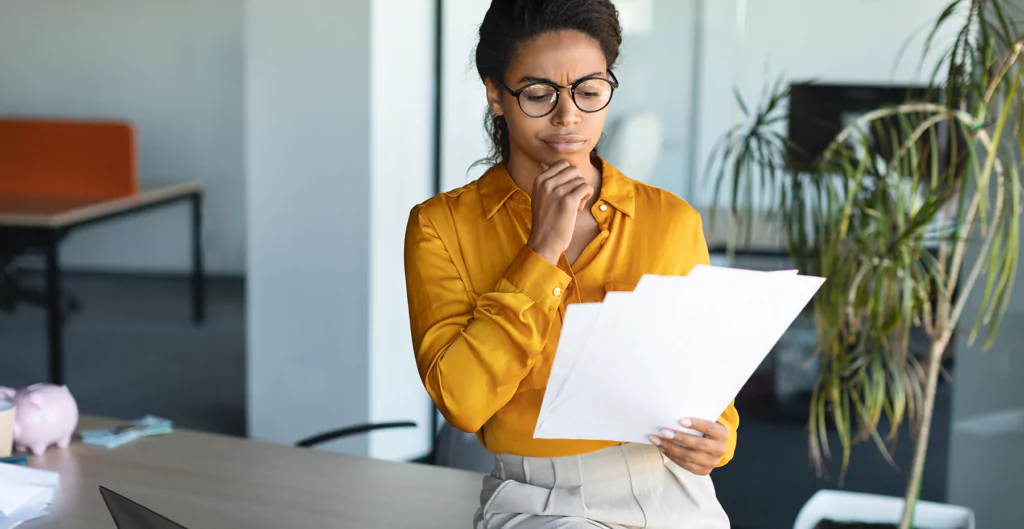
(731, 420)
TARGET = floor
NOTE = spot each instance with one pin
(133, 350)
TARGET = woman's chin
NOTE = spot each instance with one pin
(575, 154)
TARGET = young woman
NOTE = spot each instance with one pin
(490, 268)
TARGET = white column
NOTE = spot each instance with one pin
(339, 124)
(401, 175)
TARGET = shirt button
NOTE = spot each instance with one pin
(604, 207)
(557, 291)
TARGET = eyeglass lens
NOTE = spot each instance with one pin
(591, 95)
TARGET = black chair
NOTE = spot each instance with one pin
(451, 448)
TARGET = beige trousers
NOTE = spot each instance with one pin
(626, 486)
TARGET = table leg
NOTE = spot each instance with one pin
(198, 274)
(54, 317)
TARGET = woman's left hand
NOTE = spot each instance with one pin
(699, 455)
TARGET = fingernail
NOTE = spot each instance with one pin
(686, 423)
(668, 434)
(655, 441)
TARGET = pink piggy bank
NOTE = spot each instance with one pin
(45, 415)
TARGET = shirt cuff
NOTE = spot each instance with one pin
(540, 280)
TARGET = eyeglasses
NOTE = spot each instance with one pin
(590, 94)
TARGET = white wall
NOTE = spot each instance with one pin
(308, 161)
(463, 98)
(401, 175)
(174, 69)
(340, 127)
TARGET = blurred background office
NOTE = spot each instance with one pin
(313, 126)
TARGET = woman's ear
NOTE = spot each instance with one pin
(494, 97)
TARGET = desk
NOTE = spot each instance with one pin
(43, 222)
(205, 481)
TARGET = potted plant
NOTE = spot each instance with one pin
(910, 209)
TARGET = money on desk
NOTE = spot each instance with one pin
(125, 433)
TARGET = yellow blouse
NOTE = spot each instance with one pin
(486, 311)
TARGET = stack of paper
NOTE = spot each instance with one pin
(674, 348)
(25, 493)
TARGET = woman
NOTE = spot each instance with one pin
(490, 268)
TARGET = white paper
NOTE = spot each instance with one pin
(25, 493)
(14, 496)
(28, 476)
(675, 347)
(21, 516)
(579, 323)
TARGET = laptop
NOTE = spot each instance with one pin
(128, 514)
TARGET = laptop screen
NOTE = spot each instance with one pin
(130, 515)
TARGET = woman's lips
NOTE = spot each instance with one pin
(565, 143)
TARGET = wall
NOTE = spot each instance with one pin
(463, 98)
(340, 127)
(174, 69)
(308, 161)
(401, 175)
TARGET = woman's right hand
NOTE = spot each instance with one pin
(559, 194)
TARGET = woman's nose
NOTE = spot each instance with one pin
(566, 112)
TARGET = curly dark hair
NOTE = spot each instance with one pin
(510, 23)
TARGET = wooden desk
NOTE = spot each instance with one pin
(205, 481)
(42, 223)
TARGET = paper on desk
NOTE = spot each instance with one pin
(24, 493)
(675, 347)
(14, 496)
(28, 476)
(30, 511)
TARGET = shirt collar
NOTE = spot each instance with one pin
(497, 186)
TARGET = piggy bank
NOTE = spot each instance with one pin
(46, 415)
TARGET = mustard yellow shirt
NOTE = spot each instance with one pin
(486, 311)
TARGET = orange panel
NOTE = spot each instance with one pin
(41, 158)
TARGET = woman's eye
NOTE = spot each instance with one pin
(538, 98)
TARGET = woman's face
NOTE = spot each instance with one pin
(567, 133)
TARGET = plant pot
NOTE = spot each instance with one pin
(856, 507)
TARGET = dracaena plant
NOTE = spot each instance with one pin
(911, 208)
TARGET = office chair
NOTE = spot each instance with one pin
(452, 448)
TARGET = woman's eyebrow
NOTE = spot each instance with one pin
(529, 79)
